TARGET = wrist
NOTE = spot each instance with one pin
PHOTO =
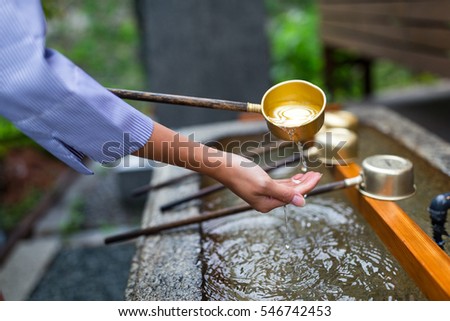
(231, 168)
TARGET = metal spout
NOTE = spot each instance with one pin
(438, 213)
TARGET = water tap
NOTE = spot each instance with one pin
(438, 212)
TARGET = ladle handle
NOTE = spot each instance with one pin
(220, 213)
(186, 100)
(188, 221)
(325, 188)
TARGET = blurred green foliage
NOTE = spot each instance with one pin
(51, 8)
(11, 215)
(11, 137)
(102, 38)
(76, 218)
(294, 42)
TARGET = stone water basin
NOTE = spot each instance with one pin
(324, 251)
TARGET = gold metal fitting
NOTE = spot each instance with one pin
(254, 108)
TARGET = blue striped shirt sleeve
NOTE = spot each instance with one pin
(56, 103)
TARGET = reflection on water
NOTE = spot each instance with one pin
(331, 257)
(293, 114)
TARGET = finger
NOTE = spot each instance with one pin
(270, 203)
(297, 178)
(284, 194)
(308, 182)
(281, 192)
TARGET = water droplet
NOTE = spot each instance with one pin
(303, 165)
(287, 237)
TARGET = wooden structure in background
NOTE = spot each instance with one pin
(426, 263)
(414, 33)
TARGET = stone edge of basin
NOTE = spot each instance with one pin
(427, 145)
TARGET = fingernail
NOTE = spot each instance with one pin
(296, 181)
(298, 201)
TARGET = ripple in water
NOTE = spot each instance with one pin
(331, 256)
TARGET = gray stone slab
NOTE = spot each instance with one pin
(214, 49)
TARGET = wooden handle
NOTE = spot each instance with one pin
(333, 186)
(188, 221)
(185, 100)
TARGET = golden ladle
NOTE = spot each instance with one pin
(293, 109)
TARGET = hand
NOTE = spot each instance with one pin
(244, 178)
(263, 193)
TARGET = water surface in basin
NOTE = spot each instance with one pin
(332, 254)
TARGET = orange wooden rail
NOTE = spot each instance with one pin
(419, 255)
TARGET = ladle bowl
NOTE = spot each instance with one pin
(341, 119)
(387, 177)
(293, 109)
(336, 146)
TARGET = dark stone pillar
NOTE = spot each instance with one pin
(202, 48)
